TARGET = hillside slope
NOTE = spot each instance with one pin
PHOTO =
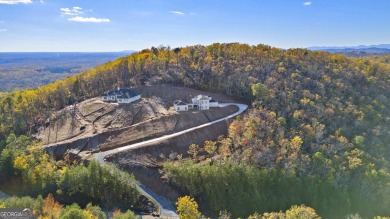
(96, 125)
(314, 114)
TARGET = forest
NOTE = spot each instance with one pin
(317, 132)
(63, 181)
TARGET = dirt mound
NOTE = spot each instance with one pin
(95, 116)
(62, 126)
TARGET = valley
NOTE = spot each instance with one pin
(34, 69)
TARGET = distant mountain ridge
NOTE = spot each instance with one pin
(356, 51)
(379, 46)
(128, 51)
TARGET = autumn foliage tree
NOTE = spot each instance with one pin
(126, 215)
(187, 208)
(51, 208)
(295, 212)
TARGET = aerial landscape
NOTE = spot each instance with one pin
(194, 109)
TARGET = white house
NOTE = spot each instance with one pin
(201, 102)
(121, 95)
(180, 105)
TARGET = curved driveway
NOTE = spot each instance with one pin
(166, 208)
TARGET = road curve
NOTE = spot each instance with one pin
(167, 210)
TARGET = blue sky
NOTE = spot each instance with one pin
(115, 25)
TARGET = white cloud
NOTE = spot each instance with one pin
(89, 19)
(74, 11)
(13, 2)
(2, 21)
(177, 12)
(3, 30)
(65, 10)
(307, 3)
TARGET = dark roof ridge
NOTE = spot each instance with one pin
(126, 92)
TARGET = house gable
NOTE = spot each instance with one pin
(121, 95)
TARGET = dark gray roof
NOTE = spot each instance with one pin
(212, 100)
(179, 103)
(122, 93)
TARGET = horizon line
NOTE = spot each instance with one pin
(123, 51)
(131, 50)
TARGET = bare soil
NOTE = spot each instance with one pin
(96, 125)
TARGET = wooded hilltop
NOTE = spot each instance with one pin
(317, 132)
